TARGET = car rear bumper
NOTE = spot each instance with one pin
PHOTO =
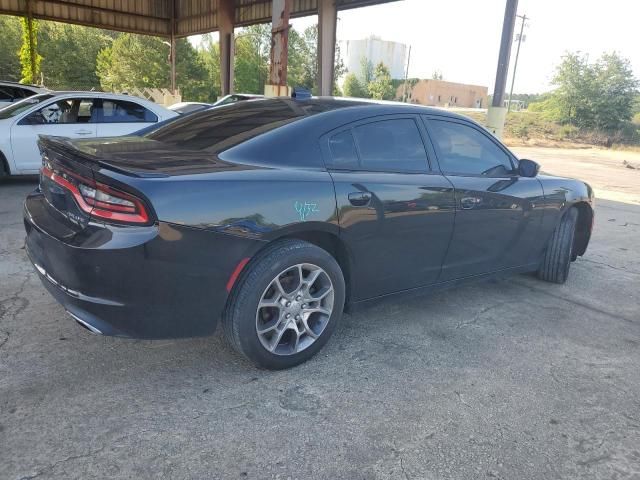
(159, 281)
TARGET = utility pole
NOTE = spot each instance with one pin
(515, 63)
(406, 76)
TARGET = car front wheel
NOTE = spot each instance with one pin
(559, 253)
(286, 305)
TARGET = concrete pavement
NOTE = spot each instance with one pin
(510, 379)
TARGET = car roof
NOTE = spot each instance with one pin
(368, 107)
(94, 93)
(183, 104)
(11, 82)
(29, 86)
(106, 95)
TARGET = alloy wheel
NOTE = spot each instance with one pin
(294, 309)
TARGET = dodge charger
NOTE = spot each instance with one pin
(274, 216)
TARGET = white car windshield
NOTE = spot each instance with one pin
(19, 107)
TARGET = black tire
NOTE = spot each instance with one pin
(239, 318)
(559, 253)
(4, 167)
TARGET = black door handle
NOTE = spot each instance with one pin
(360, 199)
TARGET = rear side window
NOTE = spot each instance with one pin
(118, 111)
(388, 145)
(6, 94)
(463, 150)
(11, 94)
(343, 151)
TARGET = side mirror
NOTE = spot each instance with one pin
(36, 118)
(528, 168)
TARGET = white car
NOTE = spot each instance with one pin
(68, 114)
(11, 92)
(184, 108)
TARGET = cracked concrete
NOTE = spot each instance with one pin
(500, 380)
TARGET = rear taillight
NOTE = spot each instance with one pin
(99, 200)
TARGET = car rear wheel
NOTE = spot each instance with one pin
(559, 254)
(286, 305)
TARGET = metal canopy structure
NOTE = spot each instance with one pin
(181, 18)
(175, 19)
(163, 18)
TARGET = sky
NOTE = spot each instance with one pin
(461, 38)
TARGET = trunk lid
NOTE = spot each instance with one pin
(143, 157)
(96, 160)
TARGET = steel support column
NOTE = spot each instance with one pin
(172, 51)
(497, 112)
(172, 59)
(505, 52)
(277, 83)
(327, 23)
(226, 19)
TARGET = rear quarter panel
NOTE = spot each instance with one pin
(257, 203)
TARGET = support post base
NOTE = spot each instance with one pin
(496, 117)
(277, 91)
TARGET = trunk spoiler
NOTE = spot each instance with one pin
(74, 151)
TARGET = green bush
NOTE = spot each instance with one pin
(567, 131)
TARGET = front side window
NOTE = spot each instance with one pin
(74, 110)
(118, 111)
(464, 150)
(56, 112)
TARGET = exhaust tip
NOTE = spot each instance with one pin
(85, 324)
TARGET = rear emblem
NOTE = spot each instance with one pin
(305, 209)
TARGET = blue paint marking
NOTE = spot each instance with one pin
(306, 209)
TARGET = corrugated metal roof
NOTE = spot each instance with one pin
(157, 17)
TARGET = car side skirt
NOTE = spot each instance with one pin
(429, 289)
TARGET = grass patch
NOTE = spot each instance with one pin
(531, 128)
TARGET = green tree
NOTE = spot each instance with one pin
(366, 70)
(381, 87)
(191, 74)
(436, 75)
(10, 38)
(29, 57)
(133, 61)
(302, 60)
(354, 88)
(209, 53)
(614, 93)
(69, 55)
(120, 68)
(572, 99)
(252, 50)
(598, 96)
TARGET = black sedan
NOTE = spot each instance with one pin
(273, 216)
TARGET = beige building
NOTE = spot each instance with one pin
(438, 93)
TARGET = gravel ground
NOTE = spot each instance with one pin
(509, 379)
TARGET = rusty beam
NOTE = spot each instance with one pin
(226, 18)
(277, 85)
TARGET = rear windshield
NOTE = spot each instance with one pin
(217, 130)
(19, 107)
